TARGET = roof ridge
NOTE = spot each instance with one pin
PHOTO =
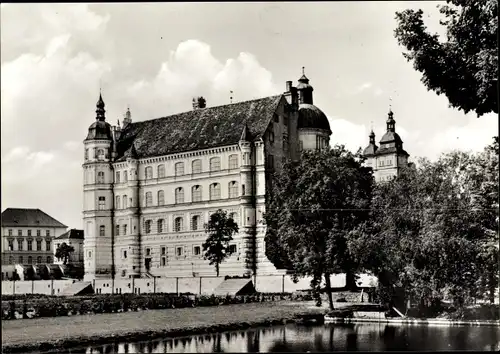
(205, 109)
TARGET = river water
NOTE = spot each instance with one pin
(319, 338)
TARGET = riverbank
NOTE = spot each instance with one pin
(43, 334)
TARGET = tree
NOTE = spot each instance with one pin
(64, 251)
(220, 229)
(433, 229)
(314, 206)
(465, 66)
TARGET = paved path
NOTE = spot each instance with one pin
(86, 327)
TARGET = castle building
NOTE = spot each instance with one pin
(27, 236)
(387, 160)
(150, 186)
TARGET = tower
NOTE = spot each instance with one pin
(98, 198)
(305, 90)
(390, 157)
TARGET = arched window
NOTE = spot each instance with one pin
(30, 260)
(149, 172)
(49, 259)
(117, 228)
(179, 168)
(125, 202)
(160, 223)
(195, 222)
(196, 166)
(161, 198)
(179, 195)
(215, 191)
(196, 194)
(178, 224)
(233, 161)
(100, 177)
(39, 259)
(161, 171)
(147, 226)
(100, 154)
(117, 175)
(125, 176)
(149, 199)
(117, 203)
(233, 189)
(215, 164)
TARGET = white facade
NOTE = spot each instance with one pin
(145, 217)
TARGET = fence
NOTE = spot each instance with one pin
(194, 285)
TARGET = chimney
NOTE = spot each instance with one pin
(291, 94)
(199, 103)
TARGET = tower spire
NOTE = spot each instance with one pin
(100, 108)
(391, 123)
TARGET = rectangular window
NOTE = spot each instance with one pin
(11, 245)
(149, 172)
(102, 203)
(160, 226)
(270, 162)
(19, 232)
(197, 250)
(179, 251)
(30, 245)
(49, 259)
(163, 251)
(117, 228)
(102, 230)
(38, 245)
(20, 245)
(125, 254)
(163, 261)
(125, 229)
(117, 177)
(232, 248)
(301, 145)
(147, 226)
(148, 251)
(38, 232)
(21, 260)
(47, 232)
(10, 232)
(149, 199)
(29, 232)
(47, 246)
(125, 176)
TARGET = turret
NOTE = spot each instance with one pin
(305, 90)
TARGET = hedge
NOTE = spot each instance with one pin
(54, 306)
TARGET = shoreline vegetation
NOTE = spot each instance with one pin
(45, 334)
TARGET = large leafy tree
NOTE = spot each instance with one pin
(64, 251)
(433, 229)
(315, 205)
(464, 67)
(220, 229)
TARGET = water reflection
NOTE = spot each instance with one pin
(324, 338)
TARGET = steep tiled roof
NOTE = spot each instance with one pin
(72, 234)
(28, 217)
(391, 150)
(197, 129)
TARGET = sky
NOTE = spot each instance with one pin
(155, 57)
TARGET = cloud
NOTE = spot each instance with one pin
(50, 83)
(352, 135)
(192, 70)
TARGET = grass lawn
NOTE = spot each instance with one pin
(48, 333)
